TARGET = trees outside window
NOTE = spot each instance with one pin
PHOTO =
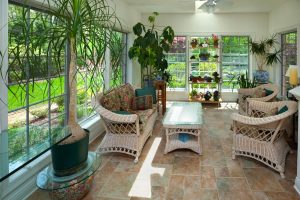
(176, 58)
(234, 59)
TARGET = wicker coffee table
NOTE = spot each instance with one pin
(183, 122)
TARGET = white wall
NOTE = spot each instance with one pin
(282, 19)
(255, 25)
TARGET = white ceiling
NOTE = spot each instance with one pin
(188, 6)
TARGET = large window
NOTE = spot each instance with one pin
(36, 87)
(118, 55)
(234, 59)
(289, 57)
(176, 58)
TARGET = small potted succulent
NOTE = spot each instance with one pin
(194, 43)
(207, 96)
(216, 95)
(216, 76)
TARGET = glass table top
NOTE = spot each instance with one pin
(46, 179)
(184, 113)
(17, 148)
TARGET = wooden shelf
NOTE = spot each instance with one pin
(203, 82)
(202, 100)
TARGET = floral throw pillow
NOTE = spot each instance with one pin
(126, 94)
(111, 101)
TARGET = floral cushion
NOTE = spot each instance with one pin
(126, 94)
(111, 101)
(142, 102)
(144, 115)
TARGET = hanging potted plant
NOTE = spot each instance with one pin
(149, 48)
(85, 27)
(266, 54)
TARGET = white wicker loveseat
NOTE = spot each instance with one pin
(125, 133)
(257, 93)
(263, 138)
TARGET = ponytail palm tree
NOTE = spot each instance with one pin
(79, 29)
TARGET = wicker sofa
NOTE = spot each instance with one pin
(261, 135)
(125, 133)
(257, 93)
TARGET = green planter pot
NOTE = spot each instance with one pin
(67, 159)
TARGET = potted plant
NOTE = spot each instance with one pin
(193, 94)
(207, 96)
(204, 54)
(194, 43)
(216, 77)
(215, 40)
(85, 27)
(216, 95)
(266, 54)
(149, 47)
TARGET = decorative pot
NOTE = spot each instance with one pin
(207, 96)
(204, 57)
(261, 76)
(70, 158)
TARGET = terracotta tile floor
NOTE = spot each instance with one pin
(184, 175)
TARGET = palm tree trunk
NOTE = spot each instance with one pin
(75, 128)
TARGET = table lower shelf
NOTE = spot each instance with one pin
(193, 143)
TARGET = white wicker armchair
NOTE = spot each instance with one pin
(263, 138)
(125, 133)
(245, 94)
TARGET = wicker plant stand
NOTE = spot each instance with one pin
(183, 118)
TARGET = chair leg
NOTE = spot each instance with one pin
(136, 159)
(282, 175)
(233, 154)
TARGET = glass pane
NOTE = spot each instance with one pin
(176, 58)
(235, 60)
(117, 58)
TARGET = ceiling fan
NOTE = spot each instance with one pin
(209, 5)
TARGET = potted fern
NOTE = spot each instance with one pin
(85, 27)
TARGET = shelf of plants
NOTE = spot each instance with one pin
(204, 79)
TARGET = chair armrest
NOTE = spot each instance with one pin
(247, 91)
(256, 121)
(117, 118)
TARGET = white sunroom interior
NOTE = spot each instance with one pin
(239, 19)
